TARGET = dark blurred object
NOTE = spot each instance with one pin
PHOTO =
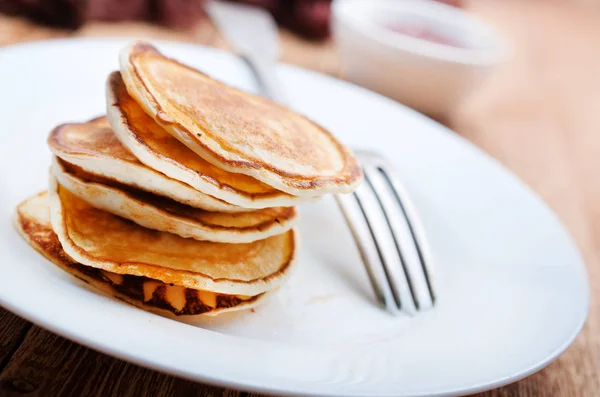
(455, 3)
(178, 13)
(309, 18)
(74, 13)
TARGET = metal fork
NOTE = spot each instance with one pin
(390, 237)
(380, 214)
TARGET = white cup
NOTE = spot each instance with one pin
(426, 75)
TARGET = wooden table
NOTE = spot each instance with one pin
(539, 115)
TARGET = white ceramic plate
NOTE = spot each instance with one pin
(512, 288)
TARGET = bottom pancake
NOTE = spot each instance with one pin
(96, 238)
(33, 223)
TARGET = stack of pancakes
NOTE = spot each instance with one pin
(182, 199)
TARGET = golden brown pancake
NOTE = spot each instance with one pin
(160, 213)
(94, 147)
(159, 150)
(33, 223)
(99, 239)
(237, 131)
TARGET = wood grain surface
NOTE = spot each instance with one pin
(539, 115)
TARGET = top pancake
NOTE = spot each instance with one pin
(159, 150)
(237, 131)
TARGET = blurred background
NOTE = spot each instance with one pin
(517, 78)
(308, 33)
(428, 59)
(309, 18)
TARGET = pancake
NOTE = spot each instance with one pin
(159, 213)
(32, 220)
(237, 131)
(94, 147)
(98, 239)
(156, 148)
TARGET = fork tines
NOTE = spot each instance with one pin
(390, 238)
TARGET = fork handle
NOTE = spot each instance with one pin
(264, 71)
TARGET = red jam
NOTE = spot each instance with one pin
(422, 32)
